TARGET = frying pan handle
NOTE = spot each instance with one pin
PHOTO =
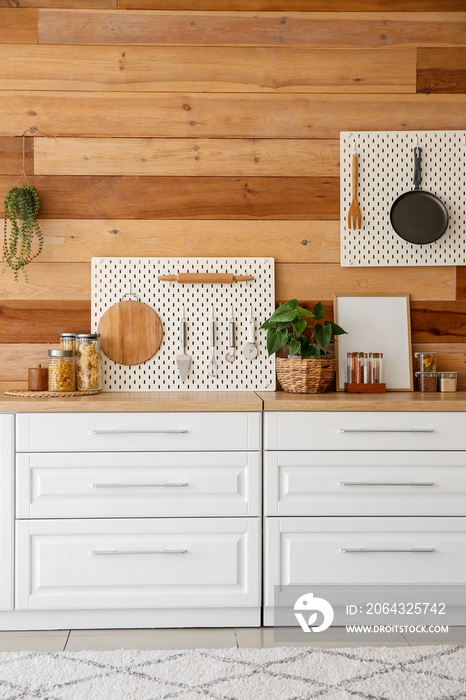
(417, 169)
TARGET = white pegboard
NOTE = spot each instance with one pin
(385, 172)
(114, 277)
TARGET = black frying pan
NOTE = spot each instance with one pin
(418, 216)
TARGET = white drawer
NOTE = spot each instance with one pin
(151, 563)
(141, 484)
(311, 551)
(334, 430)
(108, 432)
(365, 483)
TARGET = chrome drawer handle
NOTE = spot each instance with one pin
(138, 432)
(386, 430)
(386, 483)
(138, 551)
(369, 550)
(117, 486)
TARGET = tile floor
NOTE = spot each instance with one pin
(254, 637)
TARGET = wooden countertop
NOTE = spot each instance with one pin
(224, 401)
(134, 401)
(339, 401)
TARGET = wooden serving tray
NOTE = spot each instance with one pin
(55, 394)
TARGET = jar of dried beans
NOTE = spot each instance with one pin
(62, 370)
(88, 363)
(427, 381)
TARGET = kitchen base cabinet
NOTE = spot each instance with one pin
(6, 510)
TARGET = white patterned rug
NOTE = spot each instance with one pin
(281, 673)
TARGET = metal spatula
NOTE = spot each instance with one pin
(183, 361)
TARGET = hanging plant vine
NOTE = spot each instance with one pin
(22, 206)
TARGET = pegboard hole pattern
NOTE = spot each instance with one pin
(385, 172)
(114, 277)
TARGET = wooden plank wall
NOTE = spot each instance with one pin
(211, 127)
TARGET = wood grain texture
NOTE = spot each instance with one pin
(438, 322)
(62, 4)
(441, 71)
(48, 281)
(18, 26)
(42, 321)
(292, 5)
(461, 283)
(11, 155)
(206, 28)
(211, 69)
(321, 281)
(77, 240)
(185, 197)
(187, 157)
(15, 360)
(450, 358)
(223, 115)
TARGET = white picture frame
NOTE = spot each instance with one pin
(375, 323)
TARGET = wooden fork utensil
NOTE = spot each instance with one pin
(354, 213)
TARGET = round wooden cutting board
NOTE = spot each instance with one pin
(131, 332)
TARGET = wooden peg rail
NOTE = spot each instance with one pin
(205, 278)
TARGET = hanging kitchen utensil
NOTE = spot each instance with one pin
(354, 212)
(183, 361)
(250, 350)
(212, 366)
(131, 332)
(231, 354)
(419, 216)
(205, 278)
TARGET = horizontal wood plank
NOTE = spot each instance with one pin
(48, 281)
(18, 26)
(187, 157)
(321, 281)
(11, 155)
(291, 241)
(223, 115)
(235, 28)
(290, 5)
(62, 4)
(34, 321)
(68, 196)
(438, 322)
(207, 69)
(441, 70)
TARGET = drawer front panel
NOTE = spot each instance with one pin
(113, 432)
(365, 483)
(303, 551)
(6, 510)
(99, 485)
(160, 563)
(364, 431)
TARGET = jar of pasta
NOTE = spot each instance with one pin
(62, 370)
(68, 341)
(88, 362)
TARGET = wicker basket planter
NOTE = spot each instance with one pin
(309, 376)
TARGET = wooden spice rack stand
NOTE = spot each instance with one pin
(360, 388)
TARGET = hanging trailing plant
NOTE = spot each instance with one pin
(21, 226)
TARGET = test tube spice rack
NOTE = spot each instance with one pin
(364, 373)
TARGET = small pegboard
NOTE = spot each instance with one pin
(114, 277)
(385, 172)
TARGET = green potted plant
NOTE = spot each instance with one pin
(304, 370)
(21, 227)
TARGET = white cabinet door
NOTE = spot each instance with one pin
(140, 484)
(6, 510)
(144, 432)
(140, 563)
(332, 430)
(355, 550)
(365, 483)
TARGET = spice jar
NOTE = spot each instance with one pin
(427, 381)
(426, 361)
(62, 370)
(68, 341)
(447, 381)
(88, 364)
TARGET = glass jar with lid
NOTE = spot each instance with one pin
(88, 363)
(62, 370)
(68, 341)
